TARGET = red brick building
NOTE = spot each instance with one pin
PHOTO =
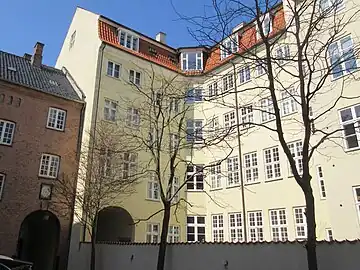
(41, 118)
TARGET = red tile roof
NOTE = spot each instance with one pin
(247, 40)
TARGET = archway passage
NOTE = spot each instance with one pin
(39, 239)
(115, 224)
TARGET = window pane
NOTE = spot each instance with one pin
(191, 60)
(190, 219)
(346, 115)
(201, 220)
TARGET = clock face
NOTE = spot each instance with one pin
(45, 192)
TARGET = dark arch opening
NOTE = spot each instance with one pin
(39, 239)
(115, 224)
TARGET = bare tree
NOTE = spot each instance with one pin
(103, 180)
(298, 49)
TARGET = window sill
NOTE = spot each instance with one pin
(112, 77)
(55, 129)
(352, 149)
(233, 186)
(195, 190)
(152, 200)
(272, 180)
(109, 121)
(346, 74)
(289, 114)
(47, 177)
(7, 145)
(252, 183)
(267, 121)
(216, 189)
(242, 83)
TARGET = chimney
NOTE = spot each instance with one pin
(161, 37)
(27, 56)
(36, 58)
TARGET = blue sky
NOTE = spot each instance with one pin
(27, 21)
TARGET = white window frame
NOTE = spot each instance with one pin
(256, 223)
(272, 162)
(72, 40)
(174, 234)
(329, 234)
(152, 234)
(174, 142)
(247, 116)
(288, 102)
(110, 110)
(134, 40)
(48, 172)
(129, 164)
(185, 60)
(214, 126)
(244, 74)
(195, 174)
(133, 117)
(233, 175)
(251, 168)
(267, 110)
(54, 120)
(300, 222)
(229, 120)
(229, 46)
(278, 224)
(357, 200)
(194, 131)
(2, 184)
(260, 68)
(236, 227)
(215, 175)
(331, 8)
(296, 149)
(321, 180)
(196, 225)
(228, 82)
(213, 89)
(111, 71)
(355, 121)
(263, 19)
(174, 189)
(5, 135)
(135, 77)
(174, 105)
(153, 188)
(106, 157)
(283, 54)
(217, 226)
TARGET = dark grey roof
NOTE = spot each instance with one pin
(47, 79)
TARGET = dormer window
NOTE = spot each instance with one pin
(128, 40)
(191, 61)
(266, 24)
(229, 46)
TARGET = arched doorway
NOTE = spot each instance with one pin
(115, 224)
(39, 239)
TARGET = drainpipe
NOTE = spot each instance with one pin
(240, 155)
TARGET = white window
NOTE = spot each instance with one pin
(247, 116)
(244, 74)
(174, 234)
(134, 77)
(133, 117)
(215, 175)
(174, 105)
(267, 109)
(213, 89)
(266, 25)
(105, 162)
(193, 95)
(128, 40)
(113, 69)
(129, 164)
(2, 184)
(7, 130)
(357, 199)
(260, 68)
(296, 149)
(228, 82)
(174, 142)
(235, 227)
(195, 177)
(56, 119)
(174, 189)
(320, 176)
(218, 228)
(153, 188)
(256, 232)
(350, 121)
(300, 223)
(152, 233)
(49, 165)
(288, 102)
(110, 110)
(278, 224)
(229, 46)
(233, 171)
(283, 54)
(329, 234)
(342, 57)
(194, 131)
(214, 126)
(272, 163)
(72, 40)
(329, 6)
(191, 61)
(195, 229)
(251, 168)
(229, 120)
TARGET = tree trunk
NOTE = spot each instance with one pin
(163, 238)
(311, 230)
(93, 243)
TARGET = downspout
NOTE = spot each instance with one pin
(240, 155)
